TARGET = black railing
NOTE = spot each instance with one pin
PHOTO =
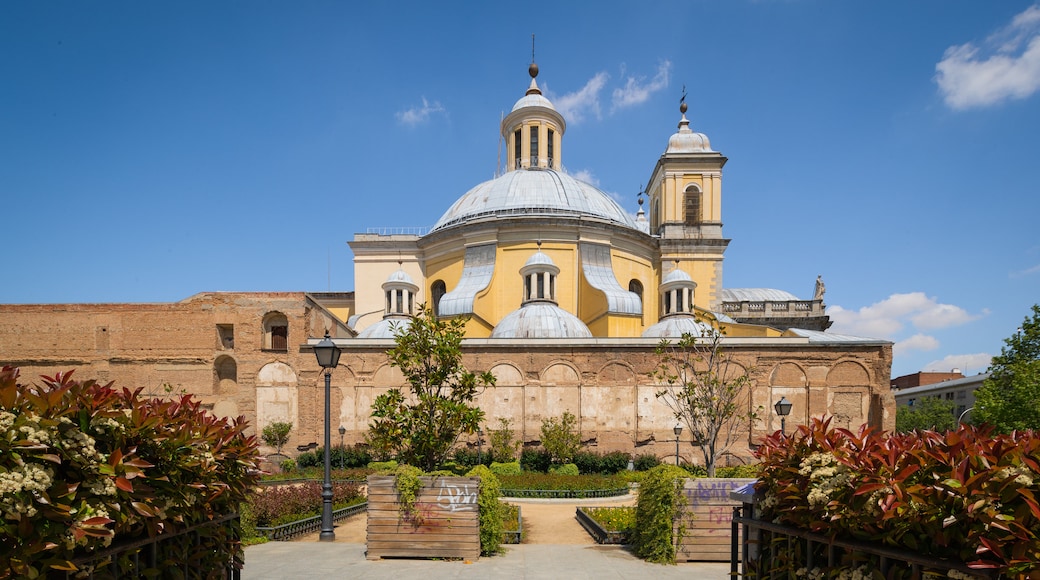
(564, 493)
(776, 551)
(307, 525)
(207, 550)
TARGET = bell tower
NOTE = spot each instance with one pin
(533, 131)
(685, 192)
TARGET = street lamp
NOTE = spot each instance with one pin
(327, 354)
(342, 449)
(678, 431)
(480, 435)
(783, 408)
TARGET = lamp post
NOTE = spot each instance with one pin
(327, 354)
(342, 449)
(480, 435)
(783, 409)
(678, 431)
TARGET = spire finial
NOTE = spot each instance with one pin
(533, 69)
(682, 101)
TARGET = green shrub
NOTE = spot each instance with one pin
(614, 462)
(528, 480)
(512, 468)
(658, 509)
(535, 460)
(84, 463)
(287, 466)
(470, 457)
(738, 471)
(504, 444)
(491, 510)
(560, 437)
(565, 469)
(588, 462)
(276, 434)
(646, 462)
(310, 459)
(383, 466)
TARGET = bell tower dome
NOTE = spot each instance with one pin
(533, 130)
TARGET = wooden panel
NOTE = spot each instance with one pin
(447, 526)
(707, 519)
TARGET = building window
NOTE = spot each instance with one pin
(276, 332)
(693, 206)
(534, 146)
(516, 148)
(550, 144)
(949, 396)
(225, 337)
(437, 291)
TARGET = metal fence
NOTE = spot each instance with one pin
(308, 525)
(207, 550)
(565, 493)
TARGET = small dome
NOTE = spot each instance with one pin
(676, 275)
(541, 320)
(386, 327)
(398, 279)
(539, 259)
(687, 141)
(676, 326)
(533, 100)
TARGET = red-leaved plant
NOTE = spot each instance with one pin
(967, 494)
(82, 464)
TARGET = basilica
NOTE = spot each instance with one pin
(566, 296)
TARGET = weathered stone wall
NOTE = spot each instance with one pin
(605, 382)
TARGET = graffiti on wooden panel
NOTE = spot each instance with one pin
(457, 498)
(710, 491)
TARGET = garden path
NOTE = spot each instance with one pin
(545, 521)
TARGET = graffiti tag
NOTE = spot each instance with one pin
(457, 498)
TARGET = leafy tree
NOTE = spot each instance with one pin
(560, 439)
(928, 413)
(276, 434)
(707, 391)
(1010, 398)
(423, 427)
(504, 445)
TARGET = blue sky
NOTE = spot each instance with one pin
(150, 151)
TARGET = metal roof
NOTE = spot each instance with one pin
(756, 295)
(541, 320)
(534, 192)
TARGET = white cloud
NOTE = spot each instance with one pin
(585, 101)
(418, 115)
(1006, 66)
(915, 342)
(969, 364)
(637, 91)
(888, 318)
(1026, 272)
(586, 176)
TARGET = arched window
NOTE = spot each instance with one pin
(636, 287)
(437, 290)
(276, 332)
(693, 206)
(516, 149)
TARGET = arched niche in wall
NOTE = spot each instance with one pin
(848, 394)
(557, 392)
(506, 399)
(277, 395)
(225, 376)
(786, 379)
(610, 403)
(275, 332)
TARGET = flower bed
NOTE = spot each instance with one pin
(966, 495)
(607, 525)
(513, 524)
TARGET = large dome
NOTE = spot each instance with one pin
(534, 192)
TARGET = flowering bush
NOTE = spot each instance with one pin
(83, 463)
(965, 495)
(614, 519)
(285, 503)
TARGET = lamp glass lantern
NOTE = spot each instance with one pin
(783, 409)
(678, 431)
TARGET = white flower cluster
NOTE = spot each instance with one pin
(814, 574)
(33, 432)
(6, 420)
(28, 479)
(826, 476)
(958, 575)
(89, 512)
(1022, 475)
(109, 424)
(80, 447)
(873, 505)
(104, 486)
(860, 573)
